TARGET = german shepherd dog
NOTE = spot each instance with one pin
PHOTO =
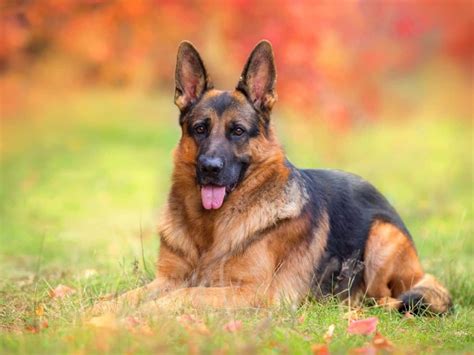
(243, 227)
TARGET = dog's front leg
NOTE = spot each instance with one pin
(133, 298)
(207, 297)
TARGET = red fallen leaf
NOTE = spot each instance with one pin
(186, 319)
(32, 329)
(382, 343)
(37, 327)
(191, 323)
(233, 326)
(329, 334)
(363, 326)
(44, 324)
(319, 349)
(366, 350)
(61, 291)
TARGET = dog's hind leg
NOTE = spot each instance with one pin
(393, 274)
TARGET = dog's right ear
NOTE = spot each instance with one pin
(190, 76)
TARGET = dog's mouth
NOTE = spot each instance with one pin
(212, 196)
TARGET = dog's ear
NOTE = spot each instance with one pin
(190, 76)
(258, 78)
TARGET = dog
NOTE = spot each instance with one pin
(243, 227)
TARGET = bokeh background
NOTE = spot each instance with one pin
(343, 62)
(380, 88)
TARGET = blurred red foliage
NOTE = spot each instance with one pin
(333, 57)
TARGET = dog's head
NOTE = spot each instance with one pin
(224, 126)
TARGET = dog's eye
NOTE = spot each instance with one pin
(200, 129)
(238, 131)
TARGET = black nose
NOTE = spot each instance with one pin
(210, 165)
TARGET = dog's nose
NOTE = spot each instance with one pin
(210, 165)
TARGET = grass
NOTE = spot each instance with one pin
(82, 183)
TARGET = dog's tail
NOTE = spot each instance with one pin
(425, 297)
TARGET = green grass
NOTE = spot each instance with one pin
(82, 184)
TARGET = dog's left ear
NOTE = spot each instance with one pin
(258, 78)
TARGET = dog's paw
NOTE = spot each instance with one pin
(102, 307)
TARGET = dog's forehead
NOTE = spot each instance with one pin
(221, 101)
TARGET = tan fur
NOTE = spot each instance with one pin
(391, 263)
(392, 269)
(238, 244)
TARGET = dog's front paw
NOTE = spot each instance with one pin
(102, 307)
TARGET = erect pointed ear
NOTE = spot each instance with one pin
(258, 78)
(190, 76)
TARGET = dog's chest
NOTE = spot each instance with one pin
(212, 268)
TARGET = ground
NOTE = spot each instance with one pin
(83, 180)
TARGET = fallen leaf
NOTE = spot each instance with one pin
(233, 326)
(44, 324)
(191, 323)
(363, 326)
(329, 334)
(319, 349)
(301, 319)
(354, 314)
(186, 319)
(32, 329)
(61, 291)
(39, 311)
(382, 343)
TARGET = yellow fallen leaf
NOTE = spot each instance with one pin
(39, 311)
(329, 333)
(354, 314)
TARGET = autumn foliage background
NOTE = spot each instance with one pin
(342, 62)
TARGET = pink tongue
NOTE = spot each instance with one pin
(212, 196)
